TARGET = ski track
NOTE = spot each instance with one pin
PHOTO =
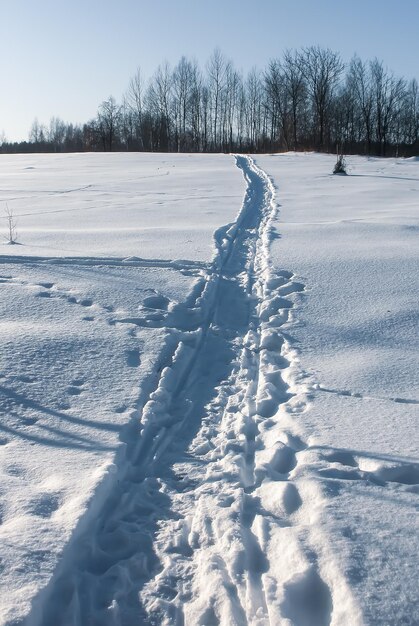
(212, 516)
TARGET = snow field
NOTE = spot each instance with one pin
(233, 438)
(353, 242)
(72, 379)
(69, 416)
(229, 368)
(153, 206)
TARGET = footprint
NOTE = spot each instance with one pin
(156, 302)
(29, 421)
(117, 543)
(46, 285)
(307, 599)
(133, 358)
(340, 456)
(155, 316)
(291, 288)
(149, 320)
(77, 382)
(291, 500)
(285, 274)
(45, 505)
(270, 395)
(295, 442)
(405, 474)
(225, 501)
(86, 302)
(283, 459)
(15, 470)
(271, 340)
(339, 474)
(167, 591)
(273, 306)
(73, 391)
(275, 282)
(64, 406)
(183, 483)
(26, 379)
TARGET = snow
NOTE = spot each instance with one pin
(119, 205)
(209, 396)
(353, 242)
(88, 307)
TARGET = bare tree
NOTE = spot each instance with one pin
(196, 108)
(128, 125)
(296, 90)
(216, 69)
(206, 115)
(232, 94)
(183, 84)
(37, 132)
(411, 113)
(56, 133)
(388, 93)
(159, 99)
(359, 84)
(254, 107)
(278, 104)
(321, 69)
(345, 120)
(109, 117)
(134, 101)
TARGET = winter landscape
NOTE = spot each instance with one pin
(209, 390)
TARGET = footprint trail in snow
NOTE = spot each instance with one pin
(212, 516)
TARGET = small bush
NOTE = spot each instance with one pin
(11, 237)
(340, 166)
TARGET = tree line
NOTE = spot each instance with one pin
(307, 99)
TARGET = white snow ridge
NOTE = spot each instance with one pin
(236, 449)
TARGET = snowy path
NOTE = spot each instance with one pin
(212, 518)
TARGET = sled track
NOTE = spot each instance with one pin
(211, 518)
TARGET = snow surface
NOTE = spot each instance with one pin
(119, 205)
(113, 253)
(353, 242)
(209, 401)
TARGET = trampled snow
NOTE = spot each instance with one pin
(209, 400)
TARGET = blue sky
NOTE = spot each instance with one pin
(63, 57)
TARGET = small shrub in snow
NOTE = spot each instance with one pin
(340, 165)
(11, 236)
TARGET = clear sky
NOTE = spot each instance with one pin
(63, 57)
